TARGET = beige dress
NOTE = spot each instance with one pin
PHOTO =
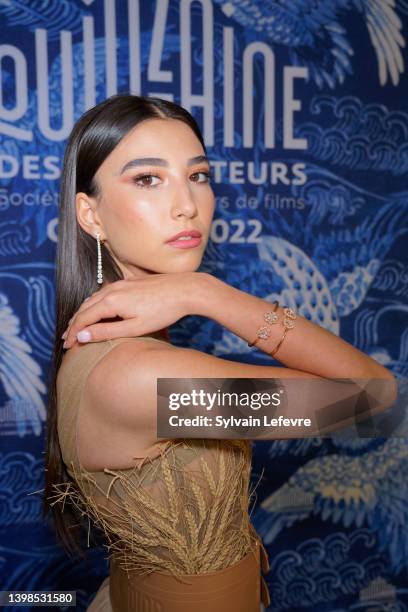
(176, 525)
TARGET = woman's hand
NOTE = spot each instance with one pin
(145, 304)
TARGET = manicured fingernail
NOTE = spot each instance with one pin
(86, 299)
(64, 335)
(65, 345)
(84, 336)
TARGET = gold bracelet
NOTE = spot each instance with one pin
(271, 318)
(289, 317)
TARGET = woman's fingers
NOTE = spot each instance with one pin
(118, 329)
(101, 309)
(89, 301)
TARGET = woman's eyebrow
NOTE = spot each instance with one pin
(159, 161)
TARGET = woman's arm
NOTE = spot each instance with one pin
(307, 347)
(122, 388)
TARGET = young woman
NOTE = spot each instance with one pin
(173, 513)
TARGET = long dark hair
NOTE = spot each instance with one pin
(92, 139)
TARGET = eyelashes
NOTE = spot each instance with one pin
(141, 177)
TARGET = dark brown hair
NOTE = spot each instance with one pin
(92, 139)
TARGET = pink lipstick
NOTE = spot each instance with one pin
(185, 239)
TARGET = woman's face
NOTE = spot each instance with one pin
(152, 186)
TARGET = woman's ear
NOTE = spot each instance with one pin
(87, 216)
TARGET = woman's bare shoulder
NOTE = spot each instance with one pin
(123, 384)
(79, 356)
(79, 350)
(123, 363)
(120, 391)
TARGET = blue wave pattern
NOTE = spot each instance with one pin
(332, 511)
(43, 14)
(359, 136)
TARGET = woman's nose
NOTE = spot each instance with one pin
(184, 203)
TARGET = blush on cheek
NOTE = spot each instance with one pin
(129, 214)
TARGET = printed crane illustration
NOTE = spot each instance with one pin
(369, 490)
(20, 374)
(314, 36)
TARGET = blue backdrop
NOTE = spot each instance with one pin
(303, 106)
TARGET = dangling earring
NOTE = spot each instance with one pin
(99, 268)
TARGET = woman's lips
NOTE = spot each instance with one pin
(185, 243)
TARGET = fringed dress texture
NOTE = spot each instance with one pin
(176, 524)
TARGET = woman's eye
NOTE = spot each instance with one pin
(207, 176)
(142, 178)
(145, 180)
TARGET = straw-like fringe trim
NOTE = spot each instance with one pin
(194, 521)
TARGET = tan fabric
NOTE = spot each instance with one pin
(181, 511)
(101, 602)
